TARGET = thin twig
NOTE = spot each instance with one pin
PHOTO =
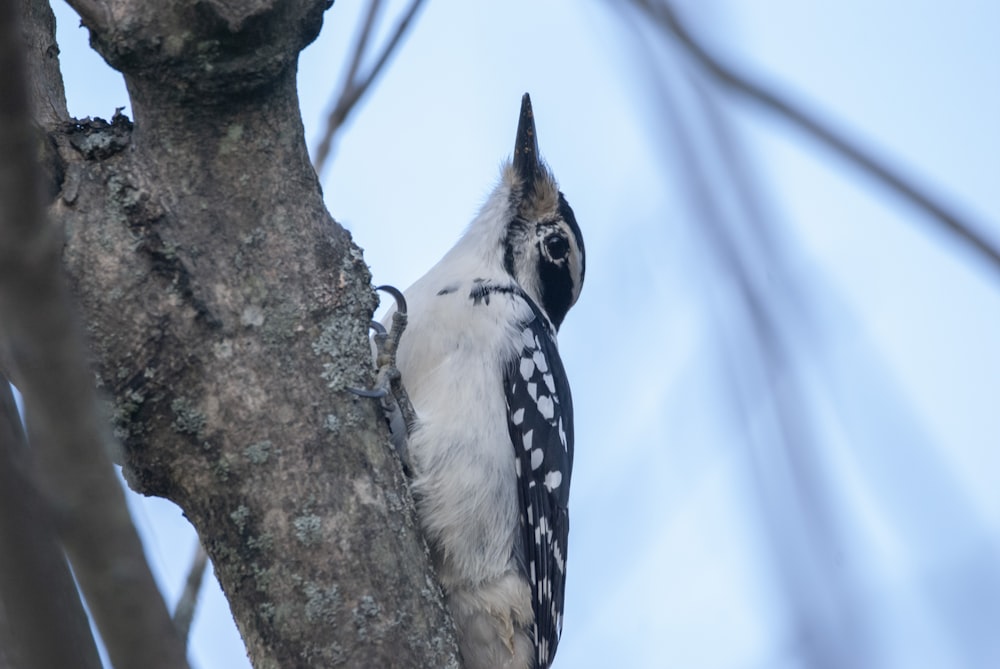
(390, 47)
(184, 611)
(353, 89)
(364, 32)
(667, 20)
(344, 96)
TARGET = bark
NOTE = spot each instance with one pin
(226, 313)
(78, 492)
(38, 29)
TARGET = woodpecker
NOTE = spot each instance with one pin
(490, 440)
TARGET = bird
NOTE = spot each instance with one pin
(490, 438)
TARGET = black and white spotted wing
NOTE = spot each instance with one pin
(540, 420)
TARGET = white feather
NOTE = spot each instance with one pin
(452, 357)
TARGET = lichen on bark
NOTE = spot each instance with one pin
(226, 313)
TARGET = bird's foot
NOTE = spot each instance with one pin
(388, 388)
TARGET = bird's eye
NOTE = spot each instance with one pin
(557, 247)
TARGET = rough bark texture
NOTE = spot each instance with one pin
(38, 30)
(227, 312)
(67, 488)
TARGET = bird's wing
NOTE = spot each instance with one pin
(540, 420)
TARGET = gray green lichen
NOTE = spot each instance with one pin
(332, 423)
(307, 529)
(366, 611)
(239, 516)
(187, 419)
(258, 452)
(322, 604)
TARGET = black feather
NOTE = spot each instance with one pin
(540, 421)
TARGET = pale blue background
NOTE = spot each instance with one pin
(675, 560)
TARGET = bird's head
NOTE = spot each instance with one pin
(542, 244)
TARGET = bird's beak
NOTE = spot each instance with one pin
(526, 161)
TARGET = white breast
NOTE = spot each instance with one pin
(452, 358)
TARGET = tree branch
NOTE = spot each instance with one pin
(760, 366)
(361, 44)
(353, 90)
(48, 97)
(95, 13)
(36, 586)
(227, 313)
(667, 20)
(75, 475)
(184, 611)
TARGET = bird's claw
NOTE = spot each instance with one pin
(374, 393)
(388, 389)
(396, 295)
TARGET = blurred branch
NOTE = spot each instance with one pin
(361, 44)
(810, 526)
(184, 611)
(798, 506)
(355, 87)
(74, 475)
(37, 592)
(667, 20)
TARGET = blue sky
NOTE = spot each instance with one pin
(669, 563)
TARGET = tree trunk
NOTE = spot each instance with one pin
(226, 313)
